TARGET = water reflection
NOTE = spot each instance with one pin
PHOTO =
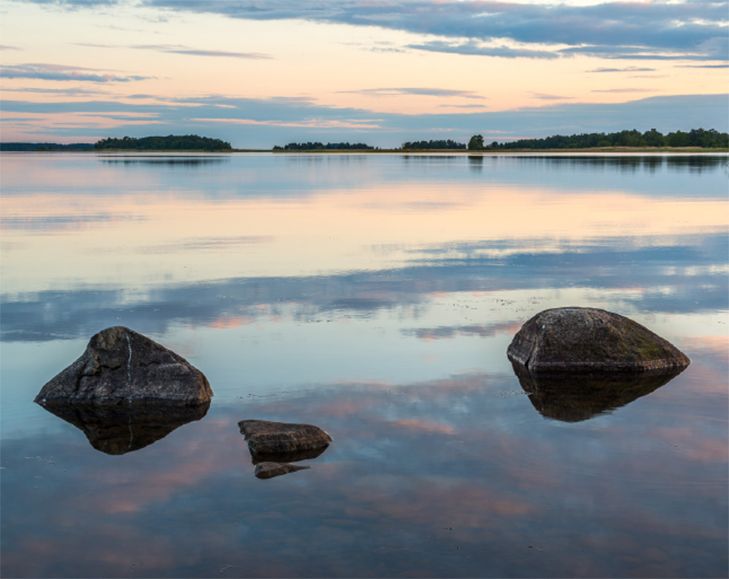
(631, 163)
(375, 296)
(573, 397)
(683, 274)
(125, 428)
(294, 456)
(475, 162)
(451, 477)
(164, 161)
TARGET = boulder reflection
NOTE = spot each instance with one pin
(573, 397)
(126, 428)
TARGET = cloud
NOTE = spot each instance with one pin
(59, 72)
(474, 48)
(693, 30)
(256, 123)
(70, 92)
(549, 97)
(620, 90)
(703, 65)
(303, 124)
(684, 30)
(184, 50)
(622, 69)
(416, 91)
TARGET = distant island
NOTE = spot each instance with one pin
(629, 140)
(168, 143)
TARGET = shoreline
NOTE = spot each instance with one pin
(602, 152)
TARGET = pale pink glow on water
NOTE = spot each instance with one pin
(296, 235)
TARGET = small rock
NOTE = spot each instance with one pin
(271, 469)
(588, 339)
(120, 365)
(283, 442)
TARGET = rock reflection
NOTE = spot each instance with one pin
(574, 397)
(308, 454)
(126, 428)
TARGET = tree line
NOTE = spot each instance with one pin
(709, 139)
(316, 146)
(46, 147)
(168, 143)
(438, 144)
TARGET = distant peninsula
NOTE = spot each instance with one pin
(698, 139)
(169, 143)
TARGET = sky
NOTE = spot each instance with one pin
(261, 73)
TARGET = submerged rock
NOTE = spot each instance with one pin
(588, 339)
(283, 442)
(577, 396)
(272, 469)
(122, 366)
(124, 428)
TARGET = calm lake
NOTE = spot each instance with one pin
(373, 296)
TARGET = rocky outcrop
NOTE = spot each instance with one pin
(577, 396)
(266, 470)
(122, 366)
(591, 340)
(123, 428)
(283, 442)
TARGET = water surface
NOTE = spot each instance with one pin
(374, 296)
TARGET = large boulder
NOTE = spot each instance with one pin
(588, 339)
(122, 366)
(283, 442)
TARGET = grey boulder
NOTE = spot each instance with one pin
(283, 442)
(123, 366)
(592, 340)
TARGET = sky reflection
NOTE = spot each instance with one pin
(451, 477)
(375, 297)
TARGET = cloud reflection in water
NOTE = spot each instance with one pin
(450, 477)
